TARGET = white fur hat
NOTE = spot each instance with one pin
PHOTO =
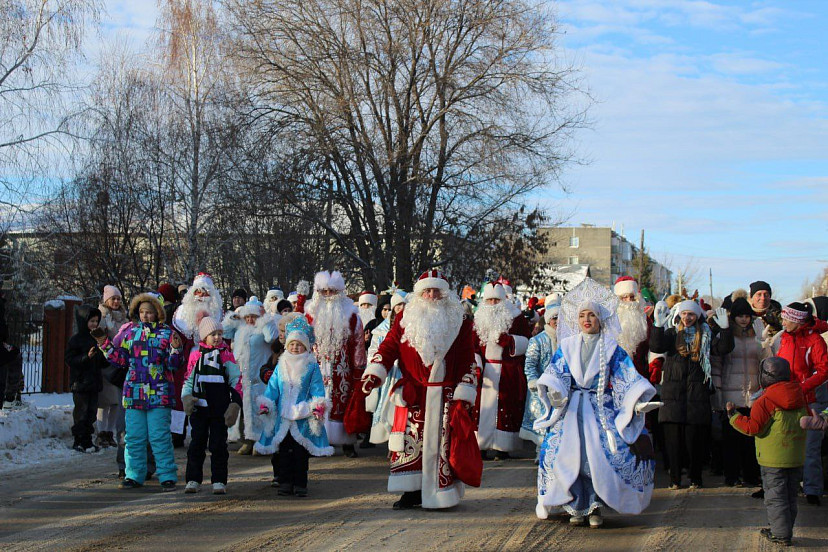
(431, 279)
(494, 291)
(367, 297)
(329, 280)
(293, 297)
(625, 285)
(252, 307)
(203, 281)
(551, 312)
(274, 292)
(397, 298)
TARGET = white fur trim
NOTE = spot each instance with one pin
(396, 299)
(396, 441)
(316, 426)
(329, 280)
(494, 291)
(505, 441)
(337, 434)
(405, 482)
(527, 435)
(490, 384)
(369, 298)
(465, 392)
(428, 283)
(625, 287)
(376, 369)
(372, 400)
(521, 344)
(269, 419)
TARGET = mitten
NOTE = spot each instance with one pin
(642, 449)
(231, 414)
(369, 383)
(189, 404)
(506, 341)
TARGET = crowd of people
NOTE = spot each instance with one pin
(599, 380)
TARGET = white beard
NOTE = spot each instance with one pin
(366, 314)
(491, 321)
(432, 326)
(270, 306)
(331, 323)
(184, 318)
(633, 325)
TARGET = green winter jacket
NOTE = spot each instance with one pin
(774, 422)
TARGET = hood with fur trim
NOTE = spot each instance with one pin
(152, 300)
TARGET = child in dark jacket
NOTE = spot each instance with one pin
(212, 399)
(774, 421)
(85, 362)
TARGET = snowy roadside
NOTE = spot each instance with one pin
(37, 434)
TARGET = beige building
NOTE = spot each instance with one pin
(608, 254)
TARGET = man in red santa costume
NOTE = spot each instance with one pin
(202, 296)
(339, 350)
(432, 343)
(635, 329)
(501, 336)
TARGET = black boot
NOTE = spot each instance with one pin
(409, 500)
(349, 451)
(366, 443)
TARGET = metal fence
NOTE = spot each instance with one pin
(29, 336)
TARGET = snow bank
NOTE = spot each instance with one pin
(31, 436)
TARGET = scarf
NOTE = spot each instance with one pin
(704, 349)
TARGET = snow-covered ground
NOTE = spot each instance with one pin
(38, 433)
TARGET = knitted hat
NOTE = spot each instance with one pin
(206, 325)
(431, 279)
(625, 285)
(241, 292)
(299, 330)
(797, 312)
(494, 291)
(741, 307)
(283, 304)
(690, 305)
(169, 293)
(367, 297)
(759, 285)
(109, 292)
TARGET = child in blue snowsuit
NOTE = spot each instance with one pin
(150, 351)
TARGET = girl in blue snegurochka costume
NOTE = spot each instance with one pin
(596, 452)
(538, 357)
(150, 351)
(293, 409)
(380, 401)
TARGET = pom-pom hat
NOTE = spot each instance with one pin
(329, 280)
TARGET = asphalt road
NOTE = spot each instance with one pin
(75, 505)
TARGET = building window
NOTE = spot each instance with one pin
(574, 242)
(573, 260)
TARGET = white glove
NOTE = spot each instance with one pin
(661, 314)
(557, 399)
(644, 407)
(532, 384)
(721, 318)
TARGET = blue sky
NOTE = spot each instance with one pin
(710, 130)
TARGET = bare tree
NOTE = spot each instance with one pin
(40, 42)
(410, 120)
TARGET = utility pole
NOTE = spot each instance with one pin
(641, 260)
(711, 287)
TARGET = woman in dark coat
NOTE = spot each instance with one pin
(686, 384)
